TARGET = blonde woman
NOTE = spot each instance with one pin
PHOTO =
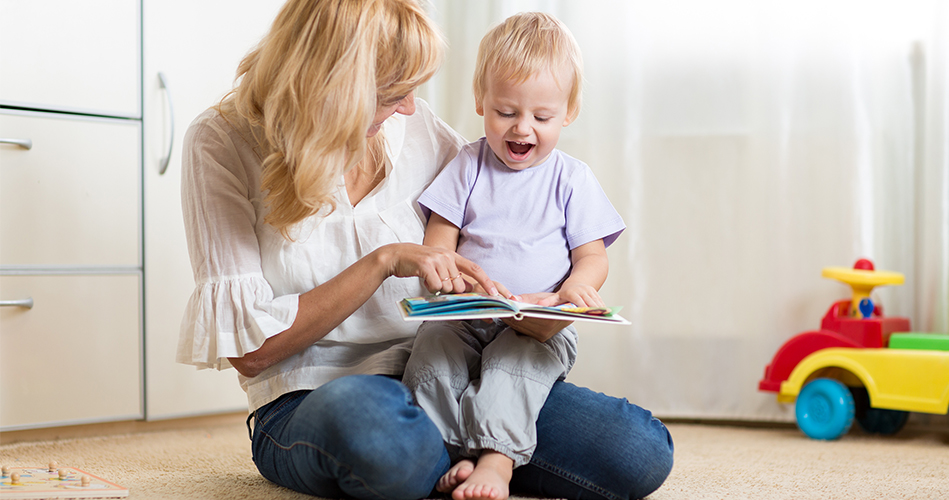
(299, 196)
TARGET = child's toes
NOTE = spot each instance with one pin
(474, 491)
(443, 484)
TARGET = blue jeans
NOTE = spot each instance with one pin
(362, 437)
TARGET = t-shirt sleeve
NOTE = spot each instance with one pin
(589, 214)
(232, 309)
(447, 195)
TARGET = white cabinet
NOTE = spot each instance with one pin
(76, 355)
(197, 47)
(72, 199)
(91, 230)
(72, 56)
(71, 205)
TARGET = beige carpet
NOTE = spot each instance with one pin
(712, 462)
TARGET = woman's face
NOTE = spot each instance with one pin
(404, 105)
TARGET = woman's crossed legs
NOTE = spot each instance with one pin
(362, 437)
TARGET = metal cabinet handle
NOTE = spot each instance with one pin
(23, 143)
(163, 164)
(27, 303)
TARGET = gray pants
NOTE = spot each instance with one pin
(484, 385)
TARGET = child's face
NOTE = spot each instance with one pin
(522, 121)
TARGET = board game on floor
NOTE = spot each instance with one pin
(55, 482)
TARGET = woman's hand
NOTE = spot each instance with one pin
(439, 269)
(501, 289)
(538, 329)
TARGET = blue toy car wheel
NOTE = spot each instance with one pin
(824, 409)
(883, 422)
(876, 420)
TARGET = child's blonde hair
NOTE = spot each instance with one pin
(311, 88)
(524, 45)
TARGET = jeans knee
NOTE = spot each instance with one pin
(392, 447)
(652, 473)
(354, 388)
(406, 468)
(408, 479)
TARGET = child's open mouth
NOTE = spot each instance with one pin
(519, 150)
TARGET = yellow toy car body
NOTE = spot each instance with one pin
(896, 379)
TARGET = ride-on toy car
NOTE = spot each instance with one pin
(860, 365)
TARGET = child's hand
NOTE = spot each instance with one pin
(578, 295)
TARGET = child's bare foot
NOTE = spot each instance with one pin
(458, 473)
(489, 480)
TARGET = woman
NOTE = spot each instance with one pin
(299, 198)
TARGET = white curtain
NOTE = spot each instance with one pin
(747, 144)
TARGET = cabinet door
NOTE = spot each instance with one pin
(197, 47)
(75, 357)
(73, 199)
(72, 56)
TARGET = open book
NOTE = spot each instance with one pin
(478, 306)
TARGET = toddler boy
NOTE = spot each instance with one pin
(531, 216)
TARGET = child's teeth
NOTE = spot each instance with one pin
(520, 148)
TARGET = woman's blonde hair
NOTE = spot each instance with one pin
(524, 45)
(311, 88)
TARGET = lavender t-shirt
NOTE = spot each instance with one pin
(520, 225)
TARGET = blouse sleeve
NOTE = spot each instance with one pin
(233, 308)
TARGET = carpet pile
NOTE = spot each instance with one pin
(712, 462)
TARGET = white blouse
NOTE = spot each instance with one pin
(249, 277)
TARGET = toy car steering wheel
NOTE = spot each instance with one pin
(862, 278)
